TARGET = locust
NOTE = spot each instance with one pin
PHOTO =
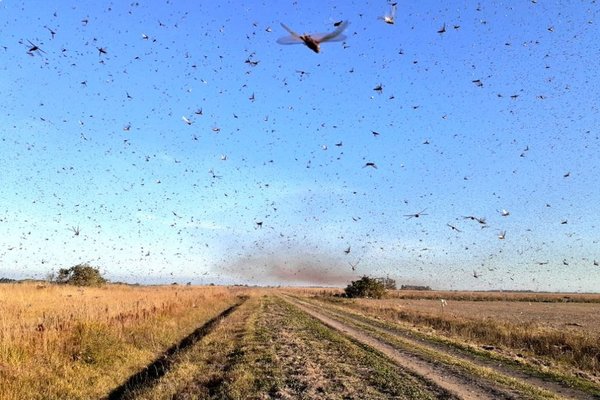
(313, 41)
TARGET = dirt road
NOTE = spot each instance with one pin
(460, 387)
(286, 347)
(443, 366)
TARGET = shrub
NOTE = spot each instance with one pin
(366, 287)
(80, 275)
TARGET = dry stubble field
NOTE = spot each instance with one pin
(175, 342)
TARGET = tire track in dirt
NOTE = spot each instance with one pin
(561, 389)
(460, 386)
(317, 362)
(161, 365)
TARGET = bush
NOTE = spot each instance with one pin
(366, 287)
(80, 275)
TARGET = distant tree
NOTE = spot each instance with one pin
(51, 276)
(80, 275)
(366, 287)
(7, 280)
(389, 283)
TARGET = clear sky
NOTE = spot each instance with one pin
(183, 143)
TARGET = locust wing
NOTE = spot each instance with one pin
(293, 38)
(335, 36)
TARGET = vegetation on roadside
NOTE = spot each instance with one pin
(236, 361)
(366, 287)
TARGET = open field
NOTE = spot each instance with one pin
(579, 317)
(530, 297)
(68, 342)
(508, 296)
(177, 342)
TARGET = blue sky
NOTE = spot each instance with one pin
(97, 140)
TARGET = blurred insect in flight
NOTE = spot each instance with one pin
(313, 42)
(453, 227)
(415, 215)
(34, 47)
(390, 18)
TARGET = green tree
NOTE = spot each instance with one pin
(80, 275)
(366, 287)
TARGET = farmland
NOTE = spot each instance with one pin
(185, 342)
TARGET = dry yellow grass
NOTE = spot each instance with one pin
(69, 342)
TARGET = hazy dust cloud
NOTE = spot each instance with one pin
(300, 269)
